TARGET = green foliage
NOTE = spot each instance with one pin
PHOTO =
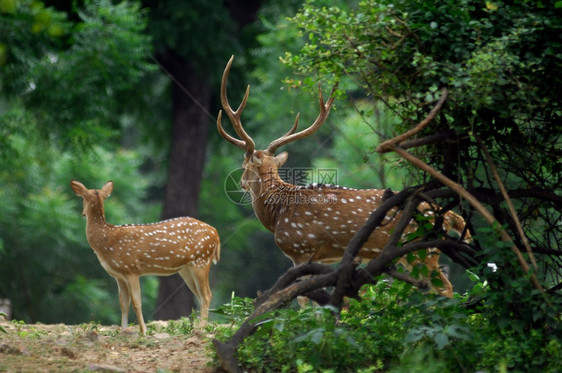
(47, 240)
(184, 326)
(236, 311)
(64, 78)
(72, 76)
(472, 54)
(500, 62)
(2, 329)
(397, 329)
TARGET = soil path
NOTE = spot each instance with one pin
(90, 347)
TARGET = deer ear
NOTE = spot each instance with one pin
(281, 158)
(107, 189)
(78, 188)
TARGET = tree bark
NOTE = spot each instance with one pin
(191, 97)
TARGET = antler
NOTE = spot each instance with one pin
(246, 143)
(290, 136)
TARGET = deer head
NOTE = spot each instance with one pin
(93, 201)
(258, 164)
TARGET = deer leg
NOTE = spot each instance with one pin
(135, 291)
(198, 282)
(432, 262)
(201, 276)
(124, 301)
(446, 289)
(187, 275)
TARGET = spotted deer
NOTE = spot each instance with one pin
(182, 245)
(315, 222)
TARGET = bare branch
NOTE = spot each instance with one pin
(420, 284)
(508, 201)
(374, 220)
(427, 140)
(388, 145)
(293, 274)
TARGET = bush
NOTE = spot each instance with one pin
(398, 329)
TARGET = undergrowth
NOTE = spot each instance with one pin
(395, 329)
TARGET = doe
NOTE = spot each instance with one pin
(182, 245)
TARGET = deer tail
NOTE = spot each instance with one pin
(217, 254)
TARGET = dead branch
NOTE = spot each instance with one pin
(270, 301)
(374, 220)
(292, 275)
(388, 145)
(391, 145)
(505, 195)
(431, 139)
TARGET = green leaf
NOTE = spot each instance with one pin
(441, 340)
(436, 281)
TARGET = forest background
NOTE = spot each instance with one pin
(98, 91)
(128, 92)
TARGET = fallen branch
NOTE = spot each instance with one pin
(270, 301)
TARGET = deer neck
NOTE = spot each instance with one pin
(97, 228)
(272, 200)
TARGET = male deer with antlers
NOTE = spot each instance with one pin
(182, 245)
(316, 222)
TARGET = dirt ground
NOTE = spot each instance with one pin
(91, 347)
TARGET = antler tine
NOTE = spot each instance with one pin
(239, 143)
(295, 125)
(246, 141)
(290, 136)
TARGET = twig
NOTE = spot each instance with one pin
(420, 284)
(388, 145)
(426, 140)
(508, 201)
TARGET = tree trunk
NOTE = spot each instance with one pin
(190, 102)
(189, 136)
